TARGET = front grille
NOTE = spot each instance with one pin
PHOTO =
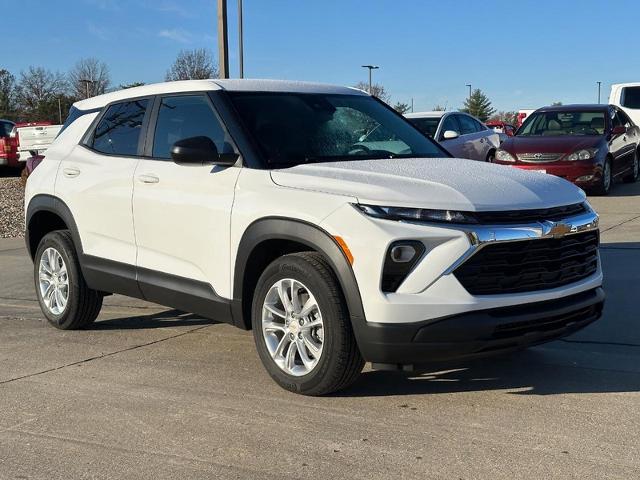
(539, 157)
(530, 265)
(526, 216)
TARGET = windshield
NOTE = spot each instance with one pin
(428, 126)
(5, 129)
(294, 128)
(563, 123)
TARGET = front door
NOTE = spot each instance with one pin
(182, 213)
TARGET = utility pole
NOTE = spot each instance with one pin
(599, 84)
(370, 67)
(411, 104)
(240, 46)
(59, 111)
(86, 82)
(223, 39)
(469, 85)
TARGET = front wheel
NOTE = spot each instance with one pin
(302, 328)
(606, 179)
(65, 299)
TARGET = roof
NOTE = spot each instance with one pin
(574, 108)
(243, 85)
(434, 114)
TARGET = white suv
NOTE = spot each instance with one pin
(257, 203)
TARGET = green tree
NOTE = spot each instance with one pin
(478, 105)
(401, 107)
(439, 108)
(556, 104)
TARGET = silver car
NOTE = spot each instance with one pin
(463, 135)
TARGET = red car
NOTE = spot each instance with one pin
(589, 145)
(502, 127)
(8, 144)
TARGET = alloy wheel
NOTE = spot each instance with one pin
(53, 281)
(292, 327)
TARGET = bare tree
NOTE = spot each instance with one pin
(194, 64)
(7, 93)
(124, 86)
(439, 108)
(377, 90)
(37, 89)
(89, 77)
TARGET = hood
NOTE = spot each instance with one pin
(559, 144)
(437, 183)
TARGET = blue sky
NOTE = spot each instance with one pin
(522, 53)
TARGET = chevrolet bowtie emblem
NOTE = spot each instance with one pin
(556, 229)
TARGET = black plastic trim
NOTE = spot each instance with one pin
(310, 235)
(479, 333)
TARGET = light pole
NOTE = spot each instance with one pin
(240, 46)
(223, 39)
(469, 85)
(86, 81)
(599, 84)
(370, 67)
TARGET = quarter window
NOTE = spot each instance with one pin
(118, 132)
(187, 116)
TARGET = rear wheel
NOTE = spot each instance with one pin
(606, 179)
(632, 176)
(65, 299)
(302, 328)
(491, 156)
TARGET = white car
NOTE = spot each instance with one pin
(627, 97)
(247, 202)
(461, 134)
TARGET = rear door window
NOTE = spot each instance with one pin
(187, 116)
(118, 131)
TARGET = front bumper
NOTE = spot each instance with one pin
(584, 174)
(477, 334)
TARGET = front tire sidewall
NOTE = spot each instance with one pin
(333, 317)
(56, 241)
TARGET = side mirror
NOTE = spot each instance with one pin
(200, 151)
(450, 135)
(619, 130)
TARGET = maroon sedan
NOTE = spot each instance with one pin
(589, 145)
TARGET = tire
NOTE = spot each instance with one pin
(491, 156)
(339, 362)
(82, 304)
(633, 176)
(604, 185)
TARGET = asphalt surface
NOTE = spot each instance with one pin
(152, 393)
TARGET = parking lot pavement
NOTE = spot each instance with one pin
(152, 393)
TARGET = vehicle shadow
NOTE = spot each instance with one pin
(166, 319)
(625, 189)
(532, 372)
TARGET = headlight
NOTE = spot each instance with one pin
(584, 154)
(416, 214)
(504, 156)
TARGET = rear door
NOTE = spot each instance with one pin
(474, 142)
(96, 181)
(183, 212)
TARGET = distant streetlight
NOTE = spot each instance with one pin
(469, 85)
(370, 67)
(87, 82)
(599, 84)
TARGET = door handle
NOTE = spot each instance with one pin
(148, 178)
(71, 172)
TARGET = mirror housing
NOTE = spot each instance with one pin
(450, 135)
(200, 151)
(619, 130)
